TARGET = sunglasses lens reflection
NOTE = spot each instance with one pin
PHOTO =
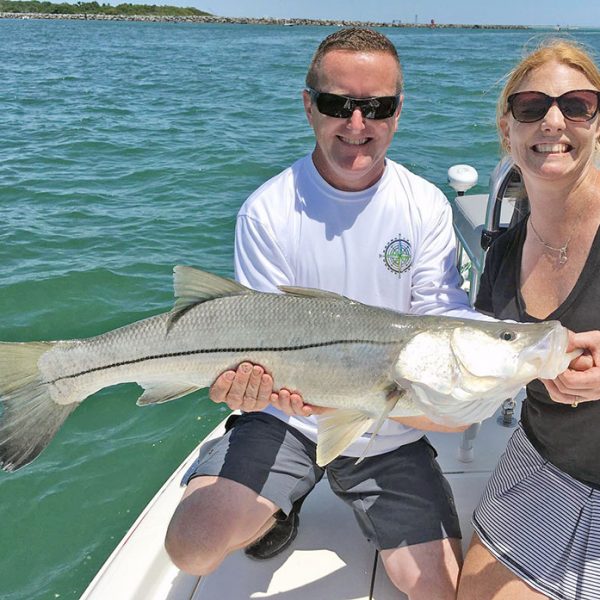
(577, 105)
(342, 107)
(528, 107)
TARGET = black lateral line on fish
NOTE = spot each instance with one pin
(210, 351)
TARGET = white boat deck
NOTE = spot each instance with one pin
(328, 560)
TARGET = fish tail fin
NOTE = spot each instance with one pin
(29, 417)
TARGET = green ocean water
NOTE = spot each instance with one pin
(126, 148)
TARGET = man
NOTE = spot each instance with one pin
(348, 220)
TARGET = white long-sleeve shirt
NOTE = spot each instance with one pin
(391, 245)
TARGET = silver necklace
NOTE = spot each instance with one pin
(562, 251)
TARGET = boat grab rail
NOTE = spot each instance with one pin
(475, 232)
(505, 183)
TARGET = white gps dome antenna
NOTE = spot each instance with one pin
(462, 178)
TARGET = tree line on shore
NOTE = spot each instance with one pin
(93, 8)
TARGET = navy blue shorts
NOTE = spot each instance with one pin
(399, 498)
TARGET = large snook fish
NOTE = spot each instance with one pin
(369, 363)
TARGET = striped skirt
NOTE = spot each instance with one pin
(542, 524)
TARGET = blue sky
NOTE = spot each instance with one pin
(582, 13)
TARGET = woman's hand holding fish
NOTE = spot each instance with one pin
(581, 381)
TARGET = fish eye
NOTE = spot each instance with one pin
(508, 336)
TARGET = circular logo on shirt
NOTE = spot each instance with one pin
(397, 255)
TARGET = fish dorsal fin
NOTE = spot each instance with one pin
(313, 293)
(193, 286)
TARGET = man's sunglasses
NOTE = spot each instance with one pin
(342, 107)
(576, 105)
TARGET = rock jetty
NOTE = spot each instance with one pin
(248, 21)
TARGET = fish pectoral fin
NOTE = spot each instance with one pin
(393, 395)
(337, 430)
(406, 406)
(159, 392)
(193, 286)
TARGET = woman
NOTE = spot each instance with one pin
(537, 528)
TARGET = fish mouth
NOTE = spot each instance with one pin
(548, 357)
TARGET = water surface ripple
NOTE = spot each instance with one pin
(128, 148)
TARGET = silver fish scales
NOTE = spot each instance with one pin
(369, 363)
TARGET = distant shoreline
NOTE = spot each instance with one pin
(248, 21)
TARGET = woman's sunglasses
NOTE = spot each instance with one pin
(342, 107)
(576, 105)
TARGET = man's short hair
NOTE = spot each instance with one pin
(354, 39)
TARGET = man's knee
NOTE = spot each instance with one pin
(428, 570)
(215, 517)
(197, 535)
(192, 547)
